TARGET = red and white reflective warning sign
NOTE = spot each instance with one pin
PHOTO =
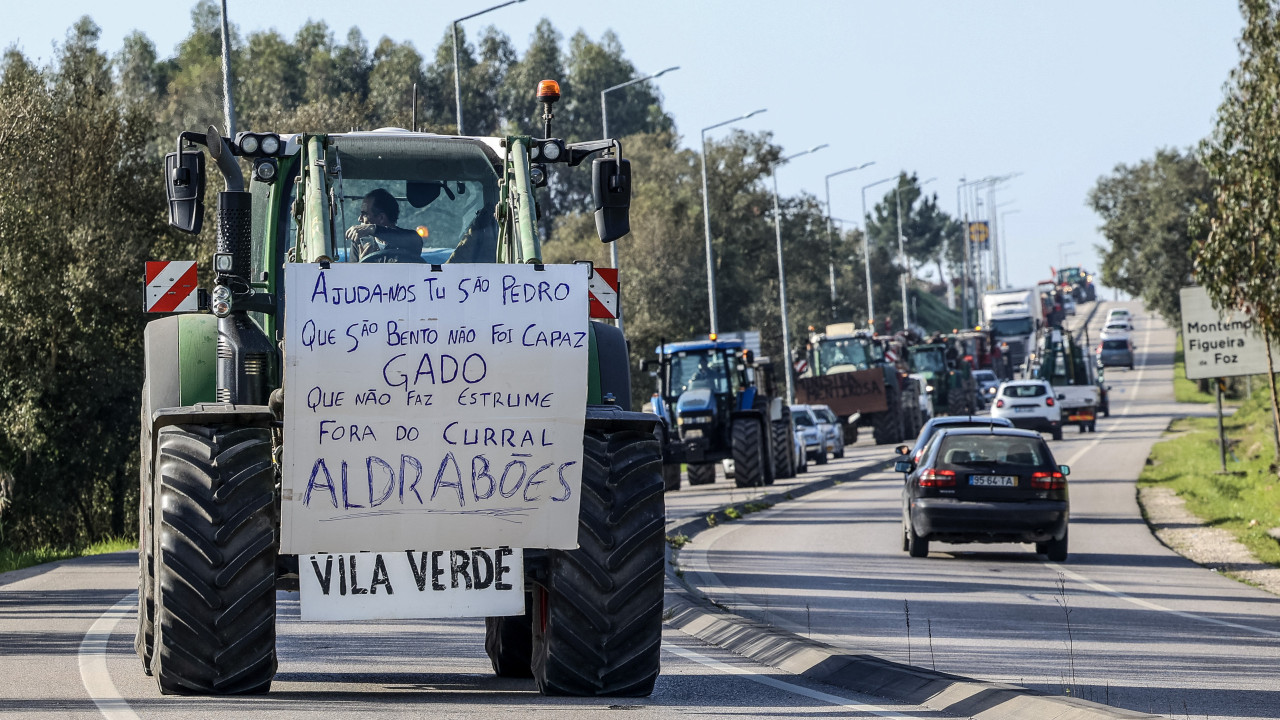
(171, 286)
(891, 356)
(801, 365)
(603, 294)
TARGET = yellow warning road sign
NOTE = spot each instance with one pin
(978, 232)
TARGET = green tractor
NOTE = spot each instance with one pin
(396, 409)
(949, 377)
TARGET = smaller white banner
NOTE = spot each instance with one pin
(1217, 345)
(412, 584)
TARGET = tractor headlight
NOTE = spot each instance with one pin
(270, 144)
(222, 263)
(551, 151)
(220, 300)
(928, 388)
(534, 151)
(249, 144)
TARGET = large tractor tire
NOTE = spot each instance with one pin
(144, 638)
(597, 617)
(214, 539)
(958, 402)
(671, 477)
(704, 474)
(750, 457)
(783, 446)
(509, 642)
(887, 426)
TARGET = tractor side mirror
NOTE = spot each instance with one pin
(611, 189)
(184, 187)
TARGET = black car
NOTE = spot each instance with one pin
(987, 485)
(947, 422)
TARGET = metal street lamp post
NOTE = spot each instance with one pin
(866, 249)
(831, 261)
(902, 251)
(782, 275)
(457, 78)
(604, 119)
(1004, 244)
(1062, 258)
(706, 217)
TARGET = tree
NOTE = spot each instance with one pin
(1236, 263)
(1145, 209)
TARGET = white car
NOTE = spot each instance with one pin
(831, 425)
(926, 398)
(1120, 314)
(1029, 404)
(801, 458)
(1117, 327)
(821, 441)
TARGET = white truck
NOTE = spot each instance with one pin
(1014, 316)
(1069, 368)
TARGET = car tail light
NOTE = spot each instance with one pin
(1048, 401)
(999, 403)
(938, 478)
(1048, 481)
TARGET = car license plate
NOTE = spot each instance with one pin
(1022, 409)
(993, 480)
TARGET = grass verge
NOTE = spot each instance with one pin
(16, 560)
(1246, 500)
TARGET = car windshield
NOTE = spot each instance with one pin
(694, 369)
(825, 415)
(1115, 345)
(1023, 391)
(444, 191)
(802, 418)
(969, 450)
(984, 376)
(1012, 326)
(930, 360)
(847, 352)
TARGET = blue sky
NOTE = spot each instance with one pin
(1060, 92)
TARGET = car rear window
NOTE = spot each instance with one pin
(1023, 391)
(969, 450)
(1115, 344)
(802, 418)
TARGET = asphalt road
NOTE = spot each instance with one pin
(1124, 621)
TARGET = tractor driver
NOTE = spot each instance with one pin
(377, 230)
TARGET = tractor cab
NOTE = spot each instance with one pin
(701, 383)
(829, 355)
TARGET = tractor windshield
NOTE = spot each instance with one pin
(421, 197)
(699, 369)
(930, 360)
(841, 355)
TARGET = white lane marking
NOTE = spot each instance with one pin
(786, 686)
(93, 662)
(1153, 606)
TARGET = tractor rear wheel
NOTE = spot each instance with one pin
(749, 454)
(957, 402)
(144, 639)
(670, 477)
(509, 642)
(886, 427)
(597, 617)
(214, 535)
(704, 474)
(783, 446)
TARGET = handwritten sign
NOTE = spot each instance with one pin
(846, 393)
(439, 583)
(433, 408)
(1217, 345)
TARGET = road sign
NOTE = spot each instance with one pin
(602, 291)
(1218, 345)
(979, 232)
(171, 286)
(801, 365)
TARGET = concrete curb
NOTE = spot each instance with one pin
(691, 612)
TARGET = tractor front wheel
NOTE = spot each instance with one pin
(214, 535)
(704, 474)
(783, 446)
(597, 617)
(749, 454)
(509, 642)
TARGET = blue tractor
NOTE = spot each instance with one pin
(717, 401)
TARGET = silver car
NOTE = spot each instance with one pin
(1115, 351)
(821, 435)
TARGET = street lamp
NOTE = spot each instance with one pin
(866, 250)
(902, 251)
(782, 275)
(457, 78)
(1062, 258)
(604, 119)
(831, 262)
(1004, 245)
(706, 216)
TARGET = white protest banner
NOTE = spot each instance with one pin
(1217, 345)
(409, 584)
(433, 408)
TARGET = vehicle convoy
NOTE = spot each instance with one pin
(985, 485)
(717, 401)
(1077, 283)
(864, 380)
(396, 424)
(1013, 317)
(1066, 365)
(951, 381)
